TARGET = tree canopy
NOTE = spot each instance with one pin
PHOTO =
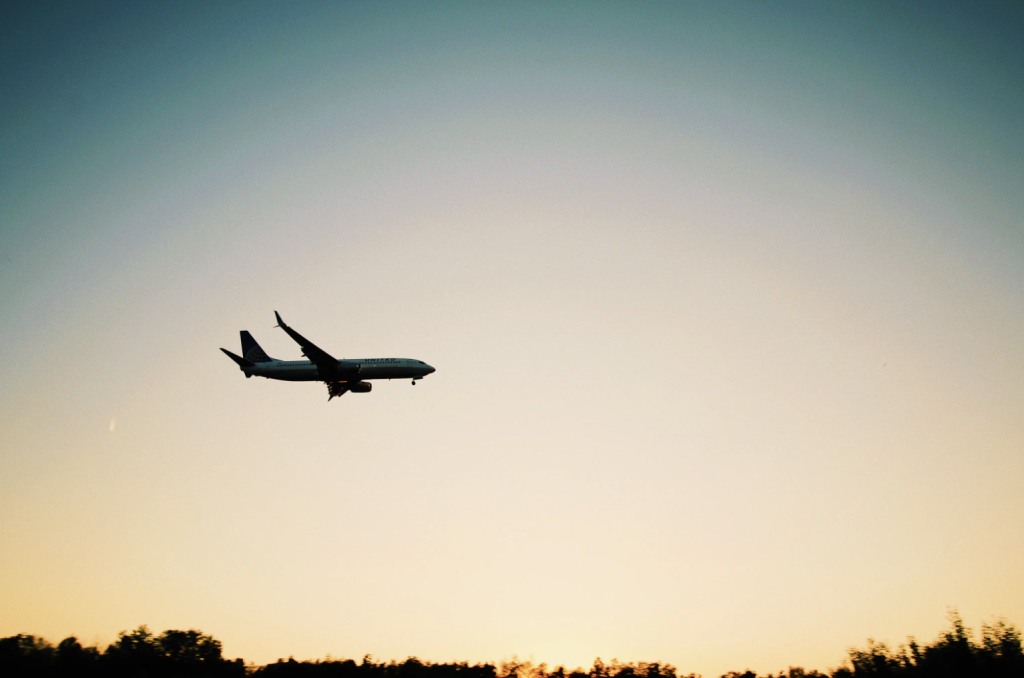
(172, 654)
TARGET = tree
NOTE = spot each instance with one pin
(25, 655)
(192, 649)
(172, 653)
(71, 659)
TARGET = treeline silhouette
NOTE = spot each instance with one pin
(173, 654)
(135, 654)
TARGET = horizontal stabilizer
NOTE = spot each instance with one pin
(242, 362)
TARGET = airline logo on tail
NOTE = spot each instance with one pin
(251, 351)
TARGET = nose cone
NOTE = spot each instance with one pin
(430, 370)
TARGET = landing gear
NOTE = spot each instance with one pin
(413, 382)
(336, 389)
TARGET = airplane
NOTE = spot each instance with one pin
(341, 376)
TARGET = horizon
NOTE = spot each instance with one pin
(996, 650)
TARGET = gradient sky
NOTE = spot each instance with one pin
(725, 302)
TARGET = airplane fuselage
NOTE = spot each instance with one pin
(356, 370)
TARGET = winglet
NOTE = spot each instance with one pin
(280, 323)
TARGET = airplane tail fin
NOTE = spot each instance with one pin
(251, 351)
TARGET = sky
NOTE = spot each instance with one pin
(724, 299)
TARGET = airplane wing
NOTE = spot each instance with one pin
(325, 363)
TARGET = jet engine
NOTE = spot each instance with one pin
(361, 387)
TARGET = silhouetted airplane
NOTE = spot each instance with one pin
(341, 376)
